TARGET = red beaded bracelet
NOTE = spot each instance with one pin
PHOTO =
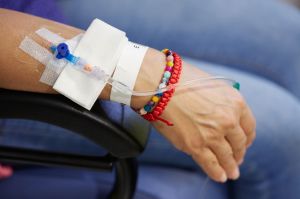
(153, 114)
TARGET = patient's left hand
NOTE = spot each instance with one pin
(5, 171)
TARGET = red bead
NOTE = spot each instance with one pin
(176, 67)
(159, 109)
(151, 117)
(146, 117)
(161, 104)
(174, 76)
(156, 113)
(165, 100)
(166, 94)
(173, 81)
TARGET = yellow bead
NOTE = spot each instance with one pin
(155, 99)
(169, 63)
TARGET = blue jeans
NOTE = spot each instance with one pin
(260, 37)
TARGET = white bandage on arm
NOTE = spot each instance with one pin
(127, 70)
(100, 46)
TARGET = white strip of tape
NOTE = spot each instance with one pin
(49, 36)
(100, 46)
(35, 50)
(127, 70)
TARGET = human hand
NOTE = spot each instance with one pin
(212, 123)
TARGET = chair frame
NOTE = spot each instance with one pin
(94, 125)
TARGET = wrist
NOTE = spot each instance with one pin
(149, 77)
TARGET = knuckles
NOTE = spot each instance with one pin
(193, 146)
(228, 119)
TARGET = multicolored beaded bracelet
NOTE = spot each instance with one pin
(154, 108)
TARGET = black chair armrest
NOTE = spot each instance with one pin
(93, 124)
(122, 146)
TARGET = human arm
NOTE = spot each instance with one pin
(215, 136)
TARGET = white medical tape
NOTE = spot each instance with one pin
(100, 46)
(49, 36)
(35, 50)
(127, 70)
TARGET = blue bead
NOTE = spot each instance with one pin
(167, 74)
(147, 107)
(165, 80)
(159, 94)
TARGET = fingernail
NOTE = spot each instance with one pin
(235, 174)
(223, 178)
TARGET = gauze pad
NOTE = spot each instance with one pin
(101, 46)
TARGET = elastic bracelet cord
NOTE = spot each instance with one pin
(155, 107)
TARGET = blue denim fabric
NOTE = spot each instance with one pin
(256, 36)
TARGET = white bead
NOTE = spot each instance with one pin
(143, 111)
(162, 85)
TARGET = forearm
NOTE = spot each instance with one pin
(21, 72)
(213, 124)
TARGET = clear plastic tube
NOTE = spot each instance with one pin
(124, 89)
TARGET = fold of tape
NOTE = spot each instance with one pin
(127, 70)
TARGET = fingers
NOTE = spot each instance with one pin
(224, 154)
(210, 164)
(248, 124)
(237, 140)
